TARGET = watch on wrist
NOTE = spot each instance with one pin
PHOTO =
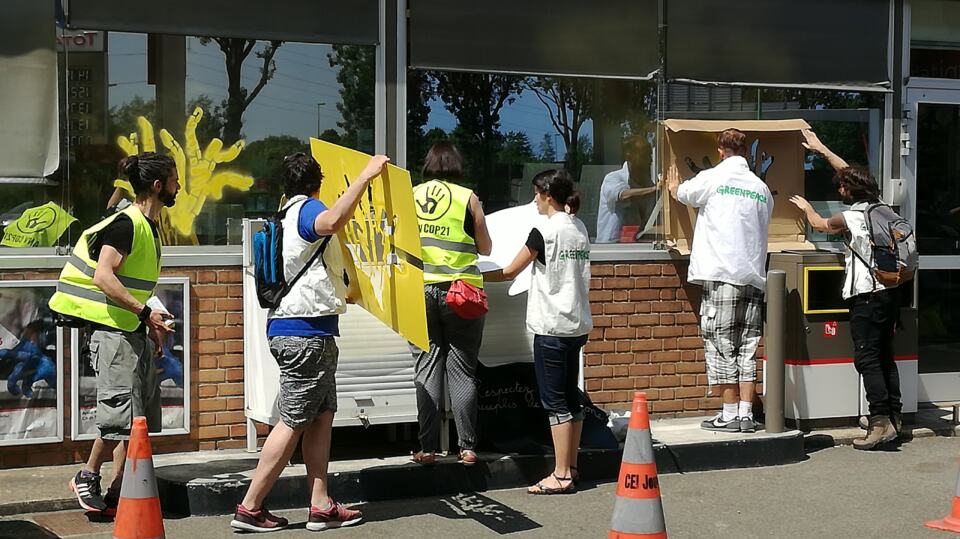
(145, 313)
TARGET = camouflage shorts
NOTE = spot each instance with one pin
(308, 386)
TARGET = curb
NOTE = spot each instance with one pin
(815, 441)
(194, 490)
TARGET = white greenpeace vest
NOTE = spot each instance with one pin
(858, 278)
(559, 299)
(314, 294)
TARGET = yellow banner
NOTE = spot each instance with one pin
(380, 246)
(41, 226)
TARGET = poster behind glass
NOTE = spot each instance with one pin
(173, 368)
(31, 361)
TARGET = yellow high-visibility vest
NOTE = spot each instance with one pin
(449, 254)
(76, 294)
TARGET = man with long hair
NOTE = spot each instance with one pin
(874, 307)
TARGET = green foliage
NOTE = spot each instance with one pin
(357, 79)
(122, 119)
(263, 158)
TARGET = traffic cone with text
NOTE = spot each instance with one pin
(951, 522)
(638, 511)
(138, 515)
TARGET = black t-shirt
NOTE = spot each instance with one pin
(119, 235)
(535, 243)
(468, 223)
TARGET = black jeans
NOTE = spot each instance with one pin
(873, 320)
(557, 364)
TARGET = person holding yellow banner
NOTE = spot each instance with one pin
(453, 232)
(301, 331)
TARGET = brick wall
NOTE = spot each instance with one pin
(646, 337)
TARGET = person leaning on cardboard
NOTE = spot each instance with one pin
(105, 286)
(728, 258)
(874, 306)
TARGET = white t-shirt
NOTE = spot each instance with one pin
(609, 219)
(730, 239)
(858, 278)
(558, 303)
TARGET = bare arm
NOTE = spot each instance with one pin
(833, 225)
(634, 192)
(118, 195)
(337, 216)
(813, 143)
(105, 278)
(521, 261)
(482, 235)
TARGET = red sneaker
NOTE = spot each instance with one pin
(336, 516)
(256, 521)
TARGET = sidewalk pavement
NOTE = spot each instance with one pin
(211, 482)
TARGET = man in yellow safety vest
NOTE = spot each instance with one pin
(105, 287)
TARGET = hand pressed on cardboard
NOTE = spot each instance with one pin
(801, 203)
(811, 141)
(673, 181)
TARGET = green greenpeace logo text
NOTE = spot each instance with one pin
(745, 193)
(574, 254)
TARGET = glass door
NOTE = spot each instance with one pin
(932, 171)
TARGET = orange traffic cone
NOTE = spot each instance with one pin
(951, 522)
(638, 511)
(138, 515)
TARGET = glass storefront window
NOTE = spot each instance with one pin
(938, 178)
(934, 42)
(939, 322)
(509, 128)
(235, 106)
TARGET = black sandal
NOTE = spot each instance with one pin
(543, 490)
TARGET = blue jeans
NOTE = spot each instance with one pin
(557, 363)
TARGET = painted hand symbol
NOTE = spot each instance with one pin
(693, 166)
(434, 196)
(761, 167)
(196, 168)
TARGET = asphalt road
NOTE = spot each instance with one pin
(837, 492)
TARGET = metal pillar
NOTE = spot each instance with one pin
(775, 346)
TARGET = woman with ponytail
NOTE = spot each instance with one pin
(558, 314)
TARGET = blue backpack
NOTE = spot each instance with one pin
(271, 284)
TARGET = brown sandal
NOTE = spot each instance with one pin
(425, 458)
(543, 490)
(468, 457)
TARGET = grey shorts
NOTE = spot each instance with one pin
(308, 385)
(127, 382)
(731, 317)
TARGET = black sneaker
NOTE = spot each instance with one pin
(718, 424)
(747, 424)
(88, 491)
(257, 521)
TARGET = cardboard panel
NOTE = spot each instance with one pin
(380, 246)
(773, 152)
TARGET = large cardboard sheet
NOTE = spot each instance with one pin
(380, 262)
(774, 153)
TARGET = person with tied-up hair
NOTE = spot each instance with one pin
(728, 259)
(104, 287)
(558, 314)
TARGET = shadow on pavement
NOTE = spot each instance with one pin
(24, 529)
(487, 512)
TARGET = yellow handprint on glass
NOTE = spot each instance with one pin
(197, 169)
